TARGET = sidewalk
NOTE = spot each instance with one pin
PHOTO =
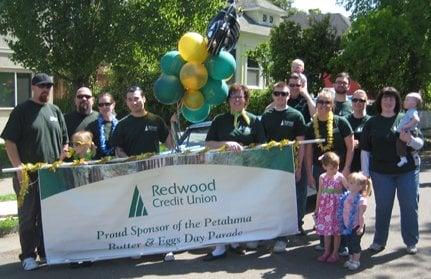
(7, 208)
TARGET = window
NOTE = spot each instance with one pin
(271, 19)
(264, 18)
(254, 73)
(14, 88)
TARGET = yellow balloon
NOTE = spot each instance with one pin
(193, 100)
(193, 75)
(193, 47)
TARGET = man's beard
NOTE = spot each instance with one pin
(43, 98)
(84, 109)
(343, 91)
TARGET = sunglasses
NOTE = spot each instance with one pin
(104, 104)
(278, 93)
(46, 85)
(294, 85)
(84, 96)
(356, 100)
(322, 102)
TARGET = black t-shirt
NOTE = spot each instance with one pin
(39, 132)
(222, 129)
(357, 125)
(76, 121)
(138, 135)
(300, 104)
(94, 128)
(285, 124)
(341, 129)
(379, 138)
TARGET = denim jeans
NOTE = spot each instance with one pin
(406, 185)
(301, 195)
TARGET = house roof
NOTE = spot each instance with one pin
(338, 21)
(248, 25)
(248, 5)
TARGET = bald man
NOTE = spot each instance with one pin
(83, 115)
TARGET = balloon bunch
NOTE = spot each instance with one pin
(193, 78)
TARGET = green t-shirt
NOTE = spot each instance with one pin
(137, 135)
(76, 121)
(343, 108)
(222, 129)
(286, 124)
(379, 138)
(93, 127)
(357, 125)
(39, 132)
(300, 104)
(341, 129)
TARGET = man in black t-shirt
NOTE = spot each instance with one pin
(35, 132)
(83, 115)
(140, 131)
(343, 107)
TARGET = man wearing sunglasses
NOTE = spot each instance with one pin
(284, 122)
(35, 132)
(299, 97)
(343, 107)
(83, 115)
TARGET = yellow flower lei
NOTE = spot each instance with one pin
(329, 128)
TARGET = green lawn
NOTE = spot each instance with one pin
(8, 225)
(8, 197)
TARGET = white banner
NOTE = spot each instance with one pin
(165, 209)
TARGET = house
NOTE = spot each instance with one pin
(259, 16)
(14, 83)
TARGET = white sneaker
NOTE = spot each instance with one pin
(376, 247)
(279, 246)
(402, 162)
(29, 264)
(354, 265)
(347, 263)
(411, 249)
(252, 245)
(169, 257)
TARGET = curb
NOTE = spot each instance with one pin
(8, 209)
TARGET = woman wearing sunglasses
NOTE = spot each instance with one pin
(336, 132)
(357, 120)
(104, 126)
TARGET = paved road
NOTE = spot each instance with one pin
(299, 261)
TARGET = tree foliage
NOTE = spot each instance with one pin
(67, 38)
(390, 45)
(73, 38)
(284, 4)
(314, 45)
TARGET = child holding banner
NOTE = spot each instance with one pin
(331, 185)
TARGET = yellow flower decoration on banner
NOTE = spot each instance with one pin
(329, 135)
(25, 180)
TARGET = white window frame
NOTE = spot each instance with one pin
(15, 75)
(260, 81)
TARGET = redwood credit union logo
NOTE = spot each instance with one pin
(137, 207)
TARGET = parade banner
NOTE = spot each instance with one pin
(167, 203)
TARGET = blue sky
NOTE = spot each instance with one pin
(324, 5)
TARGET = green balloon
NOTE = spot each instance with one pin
(168, 89)
(215, 91)
(221, 66)
(196, 116)
(172, 63)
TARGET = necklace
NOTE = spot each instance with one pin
(102, 139)
(329, 132)
(347, 229)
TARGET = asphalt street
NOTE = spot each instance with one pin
(299, 260)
